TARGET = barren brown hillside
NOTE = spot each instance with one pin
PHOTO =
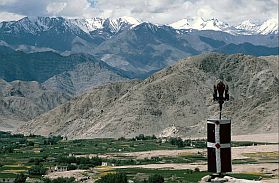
(180, 95)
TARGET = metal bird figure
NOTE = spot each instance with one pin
(221, 94)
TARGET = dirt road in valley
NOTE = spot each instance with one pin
(261, 168)
(237, 152)
(270, 138)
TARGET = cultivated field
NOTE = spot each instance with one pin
(88, 160)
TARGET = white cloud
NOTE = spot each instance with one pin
(156, 11)
(6, 16)
(5, 2)
(75, 8)
(55, 8)
(167, 11)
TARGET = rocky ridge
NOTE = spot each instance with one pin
(83, 77)
(180, 95)
(21, 101)
(138, 48)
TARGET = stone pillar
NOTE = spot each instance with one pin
(219, 145)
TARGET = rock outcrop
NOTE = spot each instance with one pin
(21, 101)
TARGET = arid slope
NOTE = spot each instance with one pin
(179, 96)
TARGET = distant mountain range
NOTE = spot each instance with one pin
(247, 27)
(41, 66)
(49, 80)
(135, 47)
(35, 25)
(47, 61)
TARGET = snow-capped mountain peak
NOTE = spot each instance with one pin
(214, 24)
(188, 23)
(27, 24)
(247, 24)
(131, 20)
(113, 24)
(35, 25)
(117, 24)
(270, 26)
(200, 23)
(248, 27)
(89, 24)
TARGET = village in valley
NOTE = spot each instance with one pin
(40, 159)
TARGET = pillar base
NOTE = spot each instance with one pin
(214, 178)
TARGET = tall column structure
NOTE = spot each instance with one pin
(219, 135)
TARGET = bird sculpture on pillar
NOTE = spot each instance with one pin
(221, 94)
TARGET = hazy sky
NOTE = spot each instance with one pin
(155, 11)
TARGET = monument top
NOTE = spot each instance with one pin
(221, 94)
